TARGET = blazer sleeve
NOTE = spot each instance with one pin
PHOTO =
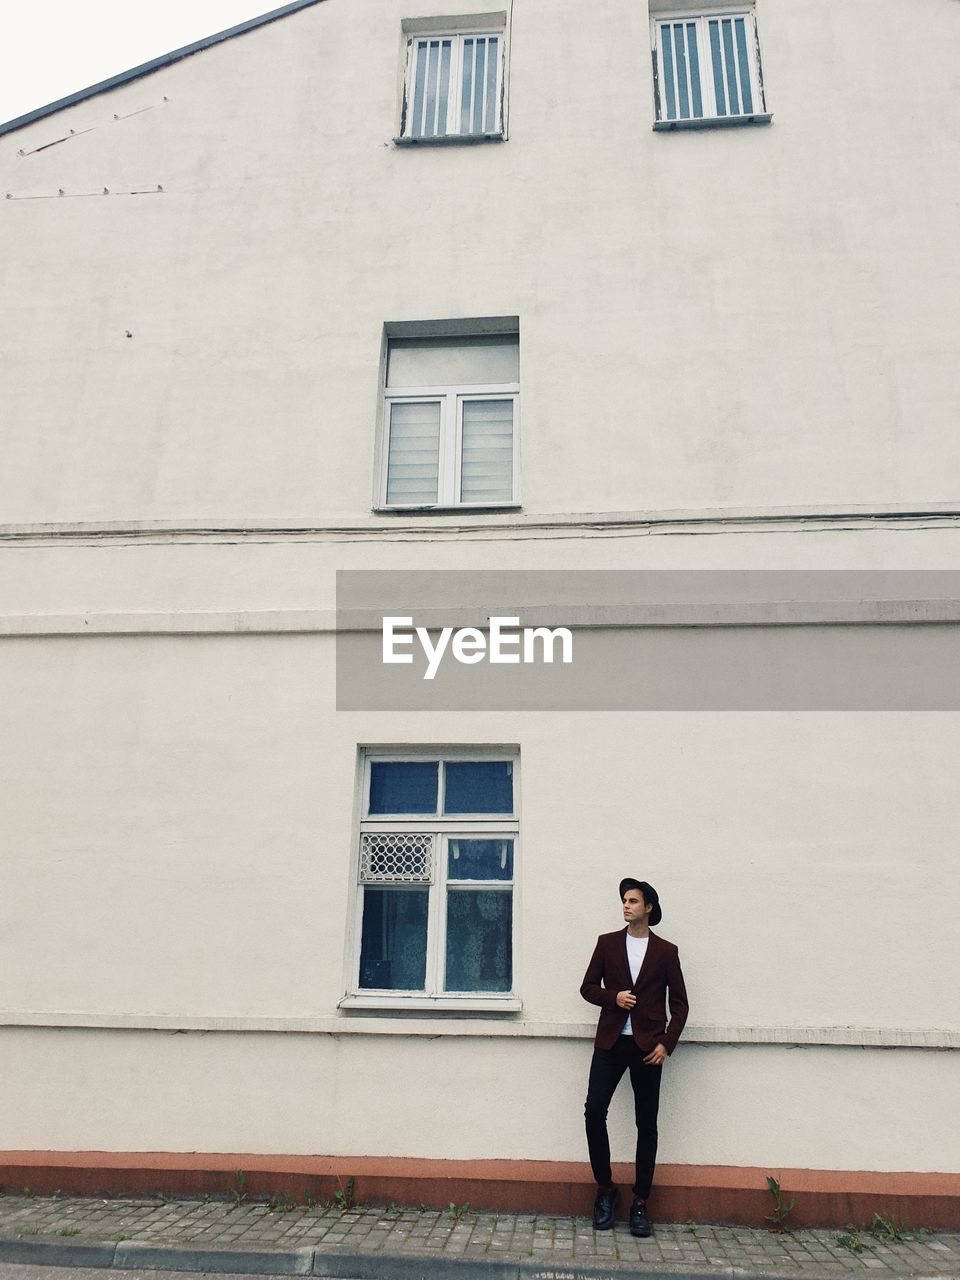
(677, 999)
(590, 988)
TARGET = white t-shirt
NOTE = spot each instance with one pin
(636, 950)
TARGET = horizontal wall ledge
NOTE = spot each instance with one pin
(650, 614)
(400, 526)
(704, 1193)
(504, 1025)
(212, 622)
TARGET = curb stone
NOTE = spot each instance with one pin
(47, 1253)
(138, 1255)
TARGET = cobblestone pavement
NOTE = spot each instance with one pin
(551, 1246)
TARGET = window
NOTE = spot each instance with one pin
(435, 879)
(454, 80)
(450, 421)
(707, 69)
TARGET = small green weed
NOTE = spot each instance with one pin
(239, 1192)
(345, 1199)
(690, 1225)
(68, 1231)
(781, 1209)
(456, 1211)
(850, 1240)
(888, 1229)
(28, 1193)
(282, 1204)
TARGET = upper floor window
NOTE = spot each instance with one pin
(707, 68)
(454, 79)
(450, 421)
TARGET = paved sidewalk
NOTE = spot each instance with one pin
(396, 1243)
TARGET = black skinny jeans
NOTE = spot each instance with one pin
(606, 1072)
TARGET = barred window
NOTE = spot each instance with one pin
(436, 873)
(453, 86)
(707, 67)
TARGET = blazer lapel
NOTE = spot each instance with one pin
(624, 959)
(653, 943)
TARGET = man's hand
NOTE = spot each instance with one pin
(626, 999)
(657, 1056)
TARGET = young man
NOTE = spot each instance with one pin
(629, 976)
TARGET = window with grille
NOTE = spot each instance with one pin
(450, 422)
(453, 87)
(435, 875)
(707, 67)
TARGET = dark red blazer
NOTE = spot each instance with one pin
(609, 972)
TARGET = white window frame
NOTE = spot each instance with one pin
(457, 35)
(702, 15)
(450, 400)
(443, 828)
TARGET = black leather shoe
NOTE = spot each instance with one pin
(603, 1209)
(639, 1222)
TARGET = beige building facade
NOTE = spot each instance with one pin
(266, 320)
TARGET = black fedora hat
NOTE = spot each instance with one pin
(650, 896)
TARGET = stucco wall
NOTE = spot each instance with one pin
(467, 1099)
(749, 318)
(179, 814)
(764, 315)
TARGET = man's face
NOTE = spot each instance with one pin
(635, 910)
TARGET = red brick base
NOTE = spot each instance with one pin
(704, 1193)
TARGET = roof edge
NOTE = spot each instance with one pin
(155, 64)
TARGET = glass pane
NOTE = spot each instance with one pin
(403, 787)
(444, 90)
(744, 64)
(486, 458)
(490, 113)
(681, 70)
(420, 81)
(693, 55)
(480, 860)
(669, 91)
(453, 362)
(393, 950)
(478, 786)
(430, 103)
(466, 92)
(717, 68)
(734, 97)
(479, 940)
(413, 467)
(479, 78)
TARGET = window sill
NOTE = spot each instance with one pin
(450, 140)
(446, 511)
(434, 1004)
(713, 122)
